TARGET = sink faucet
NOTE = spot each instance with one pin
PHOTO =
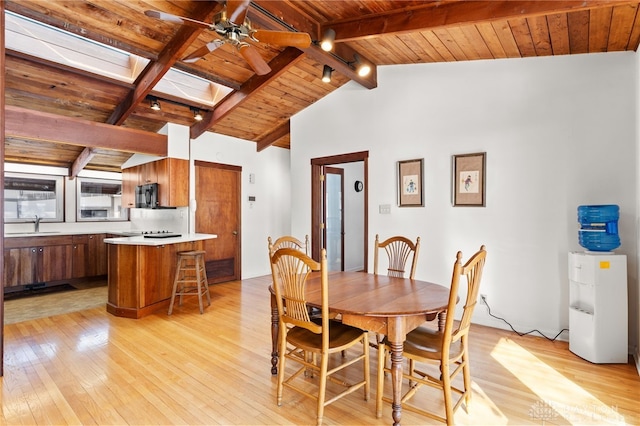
(37, 222)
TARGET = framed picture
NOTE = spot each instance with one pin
(410, 183)
(469, 179)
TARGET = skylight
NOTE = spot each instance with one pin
(44, 41)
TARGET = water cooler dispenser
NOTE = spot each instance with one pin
(598, 323)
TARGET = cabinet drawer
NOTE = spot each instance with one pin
(80, 239)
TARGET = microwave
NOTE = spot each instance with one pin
(147, 196)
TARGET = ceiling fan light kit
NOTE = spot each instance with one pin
(233, 27)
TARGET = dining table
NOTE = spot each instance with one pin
(378, 303)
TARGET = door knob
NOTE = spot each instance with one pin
(235, 232)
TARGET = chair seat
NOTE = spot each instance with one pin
(426, 343)
(340, 337)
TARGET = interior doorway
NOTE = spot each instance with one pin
(333, 207)
(353, 234)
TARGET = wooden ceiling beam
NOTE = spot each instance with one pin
(155, 70)
(278, 65)
(81, 161)
(275, 134)
(41, 126)
(432, 15)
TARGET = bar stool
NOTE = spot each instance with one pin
(191, 278)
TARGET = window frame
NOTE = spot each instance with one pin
(79, 218)
(59, 192)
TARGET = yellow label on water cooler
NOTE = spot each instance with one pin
(604, 264)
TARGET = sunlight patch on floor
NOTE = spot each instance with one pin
(560, 398)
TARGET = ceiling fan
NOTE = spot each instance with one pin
(233, 27)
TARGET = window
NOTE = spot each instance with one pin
(27, 196)
(99, 199)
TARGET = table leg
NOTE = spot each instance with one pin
(396, 380)
(275, 326)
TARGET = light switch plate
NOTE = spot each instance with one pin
(384, 208)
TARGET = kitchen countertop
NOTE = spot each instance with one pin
(61, 233)
(140, 240)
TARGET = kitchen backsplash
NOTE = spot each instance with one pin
(173, 220)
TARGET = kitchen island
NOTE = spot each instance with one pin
(142, 269)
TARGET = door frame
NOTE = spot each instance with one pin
(317, 165)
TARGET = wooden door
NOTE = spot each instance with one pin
(218, 189)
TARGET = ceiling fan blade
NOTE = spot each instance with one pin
(199, 53)
(255, 61)
(237, 11)
(282, 38)
(176, 19)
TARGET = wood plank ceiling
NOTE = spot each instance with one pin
(258, 108)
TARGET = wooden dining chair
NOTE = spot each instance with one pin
(447, 349)
(399, 251)
(301, 335)
(291, 242)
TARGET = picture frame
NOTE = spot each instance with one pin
(411, 183)
(469, 180)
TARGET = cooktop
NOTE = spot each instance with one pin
(161, 234)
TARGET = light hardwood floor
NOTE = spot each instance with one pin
(89, 367)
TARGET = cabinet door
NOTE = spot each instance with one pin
(96, 255)
(80, 258)
(57, 262)
(148, 173)
(20, 266)
(156, 283)
(173, 182)
(129, 183)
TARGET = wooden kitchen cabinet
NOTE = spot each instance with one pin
(97, 255)
(173, 182)
(171, 175)
(44, 260)
(79, 256)
(129, 183)
(37, 264)
(148, 172)
(20, 266)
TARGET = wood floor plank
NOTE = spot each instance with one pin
(89, 367)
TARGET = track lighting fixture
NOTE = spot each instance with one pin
(326, 74)
(155, 105)
(362, 68)
(196, 114)
(328, 39)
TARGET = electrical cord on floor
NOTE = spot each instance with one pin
(484, 300)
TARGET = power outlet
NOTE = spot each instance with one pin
(483, 299)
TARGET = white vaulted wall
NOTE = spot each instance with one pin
(559, 132)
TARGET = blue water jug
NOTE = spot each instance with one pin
(599, 227)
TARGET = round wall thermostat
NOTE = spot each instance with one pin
(358, 186)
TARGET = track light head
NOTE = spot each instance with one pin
(197, 115)
(326, 74)
(328, 40)
(153, 102)
(362, 68)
